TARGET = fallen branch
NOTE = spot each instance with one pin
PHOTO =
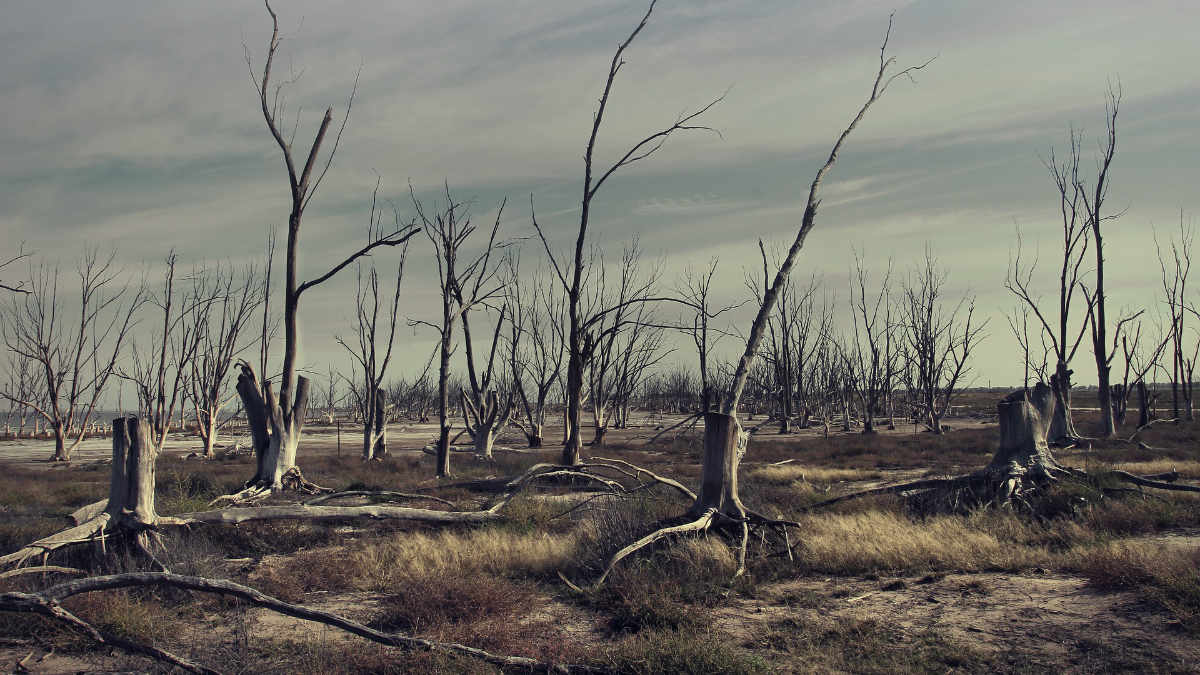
(383, 494)
(47, 603)
(42, 569)
(1146, 482)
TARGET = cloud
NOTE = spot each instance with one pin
(135, 125)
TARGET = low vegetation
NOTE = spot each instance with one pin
(497, 586)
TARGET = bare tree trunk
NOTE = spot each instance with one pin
(208, 434)
(61, 452)
(724, 446)
(534, 435)
(380, 447)
(1062, 427)
(1143, 405)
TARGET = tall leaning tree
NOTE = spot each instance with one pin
(277, 420)
(718, 504)
(574, 275)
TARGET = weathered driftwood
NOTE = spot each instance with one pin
(48, 603)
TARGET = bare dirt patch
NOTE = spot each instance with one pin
(1049, 619)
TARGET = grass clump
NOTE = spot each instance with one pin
(786, 474)
(1167, 575)
(679, 651)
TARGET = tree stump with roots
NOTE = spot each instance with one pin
(128, 515)
(1020, 471)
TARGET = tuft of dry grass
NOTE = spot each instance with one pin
(880, 541)
(380, 565)
(789, 473)
(1167, 575)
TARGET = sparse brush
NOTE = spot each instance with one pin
(1168, 575)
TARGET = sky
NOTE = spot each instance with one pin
(135, 126)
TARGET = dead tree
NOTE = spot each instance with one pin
(465, 286)
(1034, 369)
(573, 277)
(614, 330)
(872, 364)
(128, 514)
(1093, 205)
(1176, 263)
(535, 347)
(76, 362)
(1064, 340)
(24, 384)
(370, 366)
(220, 327)
(695, 289)
(276, 427)
(940, 339)
(160, 375)
(779, 352)
(718, 504)
(1139, 362)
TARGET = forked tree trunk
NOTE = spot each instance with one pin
(598, 438)
(275, 438)
(484, 439)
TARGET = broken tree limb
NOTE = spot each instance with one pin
(235, 515)
(86, 513)
(1147, 482)
(381, 494)
(47, 603)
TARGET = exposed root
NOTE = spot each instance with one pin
(47, 602)
(292, 480)
(700, 524)
(250, 495)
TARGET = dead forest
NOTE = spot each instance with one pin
(594, 465)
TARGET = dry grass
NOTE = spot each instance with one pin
(789, 473)
(1166, 575)
(494, 586)
(380, 565)
(881, 541)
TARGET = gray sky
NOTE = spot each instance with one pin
(134, 125)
